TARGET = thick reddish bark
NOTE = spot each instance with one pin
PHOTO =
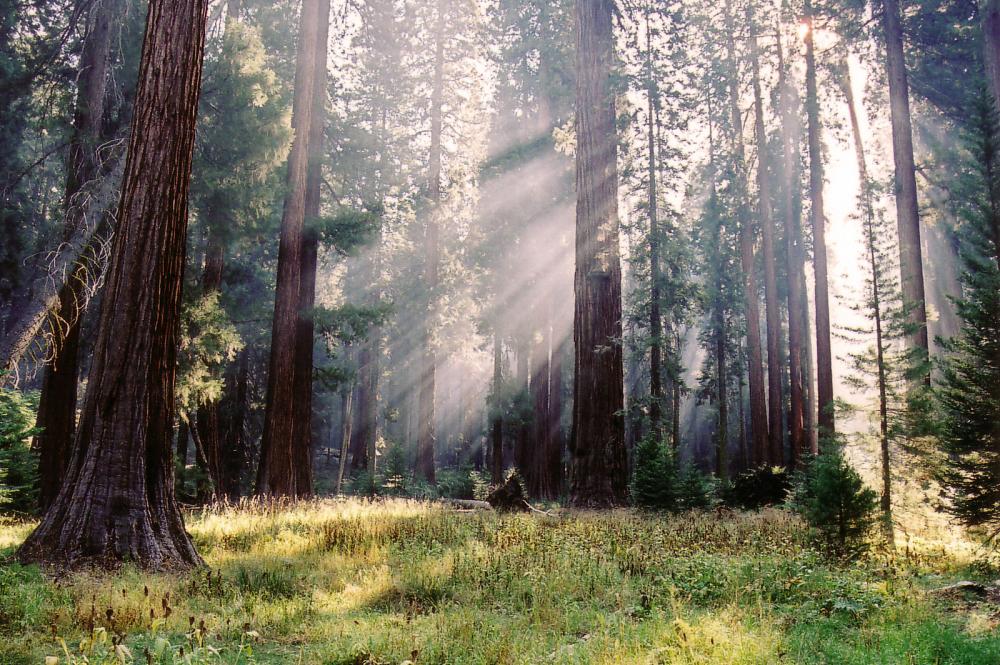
(57, 404)
(305, 327)
(426, 430)
(276, 475)
(775, 401)
(824, 352)
(911, 263)
(599, 470)
(758, 402)
(117, 503)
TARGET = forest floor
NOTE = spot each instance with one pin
(351, 582)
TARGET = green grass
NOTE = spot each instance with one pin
(350, 582)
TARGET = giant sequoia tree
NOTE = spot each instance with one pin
(278, 472)
(117, 502)
(597, 447)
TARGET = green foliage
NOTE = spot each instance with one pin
(457, 483)
(208, 342)
(349, 229)
(694, 490)
(969, 392)
(654, 479)
(833, 499)
(358, 581)
(18, 462)
(756, 488)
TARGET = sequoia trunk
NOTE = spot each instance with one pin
(117, 503)
(599, 475)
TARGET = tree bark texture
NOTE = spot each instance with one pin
(599, 465)
(305, 327)
(277, 474)
(911, 264)
(117, 503)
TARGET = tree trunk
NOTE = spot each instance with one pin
(776, 401)
(346, 422)
(235, 438)
(553, 475)
(359, 439)
(911, 265)
(796, 264)
(305, 327)
(496, 424)
(824, 352)
(278, 470)
(655, 318)
(426, 435)
(758, 402)
(599, 474)
(57, 404)
(117, 503)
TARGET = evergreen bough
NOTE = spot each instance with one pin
(836, 504)
(969, 392)
(653, 481)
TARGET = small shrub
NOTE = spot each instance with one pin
(456, 483)
(758, 488)
(694, 489)
(654, 478)
(18, 462)
(396, 476)
(833, 499)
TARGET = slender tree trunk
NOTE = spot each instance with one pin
(496, 424)
(871, 241)
(655, 318)
(991, 47)
(722, 443)
(359, 439)
(305, 327)
(183, 435)
(911, 264)
(522, 446)
(554, 451)
(57, 404)
(824, 352)
(426, 435)
(776, 401)
(206, 424)
(235, 439)
(796, 263)
(758, 402)
(346, 422)
(117, 503)
(278, 470)
(599, 473)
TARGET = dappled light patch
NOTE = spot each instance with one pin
(373, 582)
